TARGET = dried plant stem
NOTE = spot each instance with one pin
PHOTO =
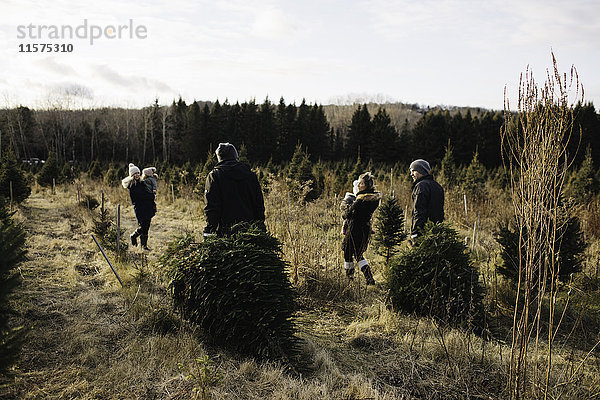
(534, 143)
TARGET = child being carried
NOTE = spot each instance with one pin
(149, 178)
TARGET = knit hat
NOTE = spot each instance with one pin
(355, 187)
(226, 151)
(150, 171)
(421, 166)
(133, 169)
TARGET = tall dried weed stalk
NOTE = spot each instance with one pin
(534, 143)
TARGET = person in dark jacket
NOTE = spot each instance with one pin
(427, 197)
(358, 229)
(233, 194)
(143, 204)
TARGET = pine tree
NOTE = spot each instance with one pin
(193, 143)
(267, 139)
(359, 134)
(430, 135)
(317, 142)
(112, 177)
(95, 171)
(358, 169)
(211, 161)
(12, 249)
(243, 154)
(68, 174)
(584, 185)
(389, 228)
(569, 249)
(237, 290)
(448, 168)
(11, 173)
(300, 178)
(285, 118)
(383, 144)
(49, 171)
(474, 180)
(437, 278)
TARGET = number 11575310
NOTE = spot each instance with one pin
(45, 48)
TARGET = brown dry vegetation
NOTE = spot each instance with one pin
(88, 338)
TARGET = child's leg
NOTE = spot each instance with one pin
(348, 264)
(363, 264)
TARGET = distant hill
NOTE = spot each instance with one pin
(403, 115)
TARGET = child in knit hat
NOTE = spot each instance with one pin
(149, 178)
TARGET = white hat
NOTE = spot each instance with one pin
(133, 169)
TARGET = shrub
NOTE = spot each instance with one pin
(236, 289)
(437, 278)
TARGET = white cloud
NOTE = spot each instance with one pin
(131, 82)
(50, 64)
(273, 24)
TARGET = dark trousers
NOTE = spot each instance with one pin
(350, 253)
(143, 227)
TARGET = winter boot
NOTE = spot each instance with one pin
(144, 242)
(366, 270)
(349, 267)
(134, 237)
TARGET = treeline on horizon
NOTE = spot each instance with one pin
(181, 133)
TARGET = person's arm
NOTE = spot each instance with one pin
(212, 210)
(422, 198)
(260, 202)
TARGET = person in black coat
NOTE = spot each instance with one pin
(427, 197)
(233, 194)
(358, 229)
(142, 199)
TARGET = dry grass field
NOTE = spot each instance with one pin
(89, 338)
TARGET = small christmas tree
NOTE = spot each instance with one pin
(389, 228)
(300, 178)
(49, 171)
(448, 168)
(569, 248)
(209, 164)
(437, 278)
(12, 249)
(11, 174)
(95, 171)
(583, 184)
(474, 179)
(237, 290)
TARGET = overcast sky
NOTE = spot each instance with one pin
(430, 52)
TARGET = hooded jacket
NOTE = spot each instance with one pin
(233, 195)
(428, 203)
(359, 215)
